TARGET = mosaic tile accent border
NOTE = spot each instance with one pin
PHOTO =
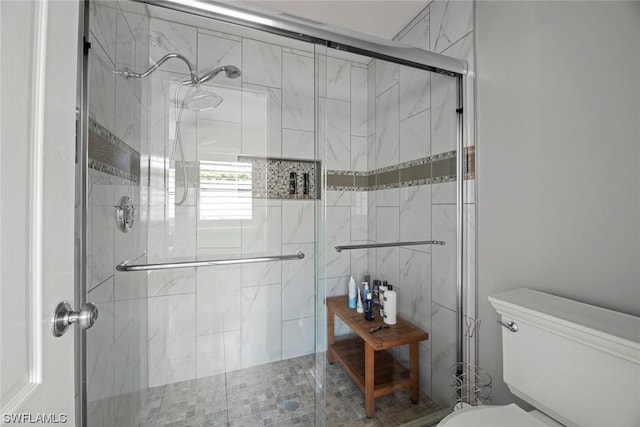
(269, 177)
(110, 155)
(434, 169)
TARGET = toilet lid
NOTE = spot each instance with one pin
(492, 416)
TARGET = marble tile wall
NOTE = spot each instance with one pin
(345, 148)
(242, 316)
(117, 344)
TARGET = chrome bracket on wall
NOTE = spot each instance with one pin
(125, 214)
(510, 325)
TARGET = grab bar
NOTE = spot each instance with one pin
(387, 245)
(125, 266)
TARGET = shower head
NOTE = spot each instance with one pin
(201, 100)
(231, 71)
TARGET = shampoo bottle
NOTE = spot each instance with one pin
(382, 290)
(390, 306)
(359, 307)
(375, 288)
(352, 293)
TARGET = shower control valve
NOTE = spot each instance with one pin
(125, 214)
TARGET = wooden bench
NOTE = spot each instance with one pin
(364, 358)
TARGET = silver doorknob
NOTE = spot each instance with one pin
(63, 316)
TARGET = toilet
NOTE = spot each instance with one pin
(577, 364)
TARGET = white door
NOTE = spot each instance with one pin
(38, 48)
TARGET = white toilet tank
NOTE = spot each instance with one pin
(576, 362)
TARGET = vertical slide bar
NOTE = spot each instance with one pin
(459, 226)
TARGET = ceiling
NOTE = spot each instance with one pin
(381, 18)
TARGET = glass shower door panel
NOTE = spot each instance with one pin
(444, 102)
(232, 175)
(116, 359)
(319, 371)
(387, 138)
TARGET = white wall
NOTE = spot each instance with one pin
(558, 102)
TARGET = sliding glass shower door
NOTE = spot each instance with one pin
(225, 166)
(389, 150)
(219, 164)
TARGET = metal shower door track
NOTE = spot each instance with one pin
(334, 37)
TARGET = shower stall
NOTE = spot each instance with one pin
(226, 154)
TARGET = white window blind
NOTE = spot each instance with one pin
(225, 190)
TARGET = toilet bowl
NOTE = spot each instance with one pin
(497, 416)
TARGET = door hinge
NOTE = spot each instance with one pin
(459, 110)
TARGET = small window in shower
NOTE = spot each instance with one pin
(225, 190)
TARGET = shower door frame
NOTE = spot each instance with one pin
(81, 205)
(300, 29)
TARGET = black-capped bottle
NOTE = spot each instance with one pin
(368, 308)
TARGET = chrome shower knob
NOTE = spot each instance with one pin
(125, 214)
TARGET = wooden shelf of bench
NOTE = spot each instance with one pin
(389, 375)
(365, 360)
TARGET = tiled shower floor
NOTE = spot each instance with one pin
(276, 394)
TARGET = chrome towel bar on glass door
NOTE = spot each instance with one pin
(387, 245)
(124, 266)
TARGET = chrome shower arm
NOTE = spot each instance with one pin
(129, 73)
